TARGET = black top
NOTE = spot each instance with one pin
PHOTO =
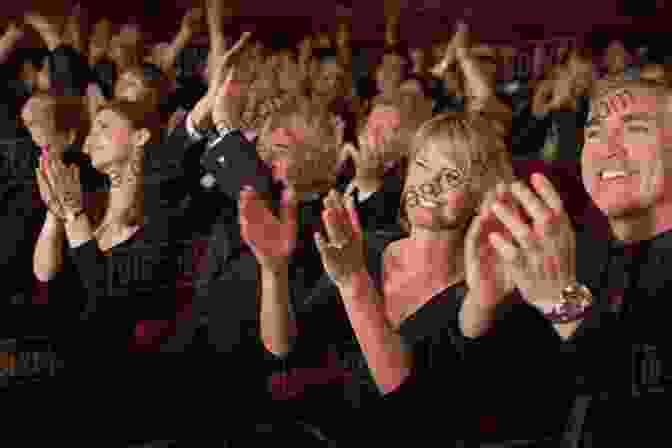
(614, 369)
(355, 405)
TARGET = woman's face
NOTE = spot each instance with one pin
(437, 195)
(110, 142)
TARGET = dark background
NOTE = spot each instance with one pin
(423, 21)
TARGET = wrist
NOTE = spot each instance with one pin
(356, 284)
(474, 303)
(277, 270)
(72, 216)
(53, 223)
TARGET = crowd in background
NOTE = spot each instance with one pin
(245, 242)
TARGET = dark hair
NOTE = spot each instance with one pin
(139, 115)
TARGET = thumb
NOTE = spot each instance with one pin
(288, 207)
(353, 215)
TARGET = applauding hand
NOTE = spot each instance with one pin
(541, 256)
(60, 187)
(271, 239)
(343, 255)
(486, 273)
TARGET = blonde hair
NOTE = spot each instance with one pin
(473, 142)
(319, 154)
(413, 109)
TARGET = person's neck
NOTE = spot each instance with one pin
(120, 211)
(439, 252)
(645, 227)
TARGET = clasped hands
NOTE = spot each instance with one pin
(59, 186)
(522, 238)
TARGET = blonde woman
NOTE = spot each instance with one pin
(401, 290)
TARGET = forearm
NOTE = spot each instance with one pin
(215, 17)
(52, 39)
(388, 359)
(180, 42)
(275, 314)
(48, 254)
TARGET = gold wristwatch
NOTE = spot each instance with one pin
(575, 304)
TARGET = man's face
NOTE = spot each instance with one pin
(382, 120)
(616, 57)
(628, 152)
(390, 72)
(331, 79)
(298, 155)
(131, 87)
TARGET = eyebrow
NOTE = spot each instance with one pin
(627, 118)
(640, 116)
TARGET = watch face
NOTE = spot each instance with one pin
(577, 295)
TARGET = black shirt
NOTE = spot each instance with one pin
(351, 409)
(606, 384)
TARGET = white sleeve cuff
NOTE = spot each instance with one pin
(74, 244)
(191, 129)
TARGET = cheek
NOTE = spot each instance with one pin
(456, 200)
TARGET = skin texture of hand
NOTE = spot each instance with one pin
(65, 184)
(476, 83)
(99, 44)
(541, 256)
(563, 88)
(49, 30)
(271, 239)
(223, 87)
(14, 31)
(343, 255)
(486, 273)
(46, 193)
(229, 103)
(193, 20)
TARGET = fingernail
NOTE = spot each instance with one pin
(247, 188)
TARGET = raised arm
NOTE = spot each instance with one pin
(8, 41)
(51, 31)
(272, 239)
(48, 253)
(389, 359)
(191, 24)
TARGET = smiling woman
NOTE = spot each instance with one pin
(452, 158)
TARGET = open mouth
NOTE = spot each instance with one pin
(611, 175)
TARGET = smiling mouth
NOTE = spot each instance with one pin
(608, 175)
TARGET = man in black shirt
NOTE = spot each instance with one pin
(605, 298)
